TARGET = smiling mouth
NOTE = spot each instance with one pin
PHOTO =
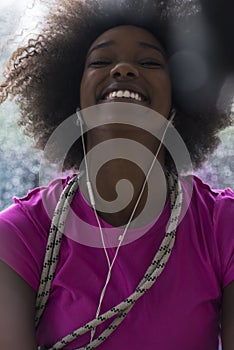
(124, 96)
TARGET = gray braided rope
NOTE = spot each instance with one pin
(152, 273)
(53, 245)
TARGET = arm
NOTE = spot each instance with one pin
(228, 317)
(17, 304)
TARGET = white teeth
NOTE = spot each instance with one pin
(125, 94)
(120, 94)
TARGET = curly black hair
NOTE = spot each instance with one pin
(45, 74)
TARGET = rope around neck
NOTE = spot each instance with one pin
(122, 309)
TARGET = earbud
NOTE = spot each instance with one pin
(171, 117)
(79, 120)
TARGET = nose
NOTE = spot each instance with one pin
(124, 70)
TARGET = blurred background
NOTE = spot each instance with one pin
(19, 163)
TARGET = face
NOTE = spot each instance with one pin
(127, 64)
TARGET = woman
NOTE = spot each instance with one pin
(156, 291)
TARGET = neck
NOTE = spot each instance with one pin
(118, 172)
(118, 191)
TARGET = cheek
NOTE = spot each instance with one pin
(168, 91)
(163, 88)
(166, 83)
(83, 91)
(87, 90)
(162, 98)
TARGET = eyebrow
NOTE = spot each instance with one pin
(101, 45)
(141, 43)
(152, 46)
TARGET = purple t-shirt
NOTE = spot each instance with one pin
(182, 309)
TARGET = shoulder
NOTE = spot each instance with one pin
(220, 200)
(203, 195)
(40, 200)
(213, 206)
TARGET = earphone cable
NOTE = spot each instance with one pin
(130, 219)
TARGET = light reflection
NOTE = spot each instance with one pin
(19, 164)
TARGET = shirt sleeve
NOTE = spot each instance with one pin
(24, 229)
(224, 231)
(22, 244)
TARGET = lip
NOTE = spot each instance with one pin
(123, 87)
(125, 100)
